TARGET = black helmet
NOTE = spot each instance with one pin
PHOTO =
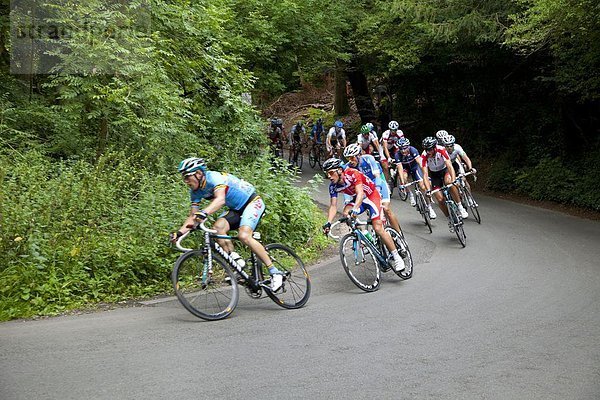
(429, 143)
(332, 163)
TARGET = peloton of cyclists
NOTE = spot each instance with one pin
(336, 138)
(364, 197)
(437, 166)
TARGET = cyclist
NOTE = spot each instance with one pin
(390, 137)
(369, 142)
(277, 133)
(335, 137)
(437, 165)
(365, 197)
(371, 168)
(317, 132)
(245, 209)
(297, 136)
(411, 162)
(457, 155)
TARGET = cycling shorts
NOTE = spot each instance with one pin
(372, 204)
(249, 215)
(437, 178)
(415, 171)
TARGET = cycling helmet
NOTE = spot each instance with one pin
(448, 140)
(352, 150)
(332, 163)
(441, 134)
(299, 124)
(365, 130)
(320, 121)
(393, 125)
(429, 143)
(339, 124)
(371, 126)
(191, 165)
(403, 143)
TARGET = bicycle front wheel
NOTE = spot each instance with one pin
(202, 291)
(299, 159)
(423, 209)
(312, 157)
(473, 206)
(296, 282)
(360, 264)
(456, 220)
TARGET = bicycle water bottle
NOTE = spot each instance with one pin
(370, 237)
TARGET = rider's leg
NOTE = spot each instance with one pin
(221, 225)
(389, 214)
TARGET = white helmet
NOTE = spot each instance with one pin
(352, 150)
(370, 125)
(393, 125)
(441, 134)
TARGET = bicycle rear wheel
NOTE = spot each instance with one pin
(473, 206)
(401, 244)
(423, 209)
(360, 264)
(296, 282)
(206, 294)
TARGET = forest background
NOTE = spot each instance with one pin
(99, 100)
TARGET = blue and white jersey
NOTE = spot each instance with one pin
(368, 166)
(408, 159)
(237, 191)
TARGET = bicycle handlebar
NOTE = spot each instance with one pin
(344, 220)
(201, 226)
(455, 183)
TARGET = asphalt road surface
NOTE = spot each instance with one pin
(514, 315)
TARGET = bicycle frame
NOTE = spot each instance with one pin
(210, 245)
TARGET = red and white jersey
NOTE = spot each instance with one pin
(391, 137)
(350, 179)
(437, 162)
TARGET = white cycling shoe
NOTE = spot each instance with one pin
(463, 212)
(276, 282)
(432, 213)
(399, 265)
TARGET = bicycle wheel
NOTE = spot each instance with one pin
(312, 157)
(207, 296)
(401, 244)
(360, 264)
(299, 158)
(473, 206)
(457, 221)
(403, 194)
(423, 209)
(296, 282)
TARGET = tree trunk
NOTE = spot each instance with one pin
(340, 102)
(362, 96)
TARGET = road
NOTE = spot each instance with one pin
(514, 315)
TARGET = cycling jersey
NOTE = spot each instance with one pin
(275, 134)
(436, 162)
(297, 134)
(369, 166)
(457, 151)
(316, 133)
(237, 191)
(336, 136)
(350, 179)
(391, 137)
(407, 159)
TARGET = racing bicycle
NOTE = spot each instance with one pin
(207, 280)
(454, 216)
(421, 203)
(365, 259)
(466, 196)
